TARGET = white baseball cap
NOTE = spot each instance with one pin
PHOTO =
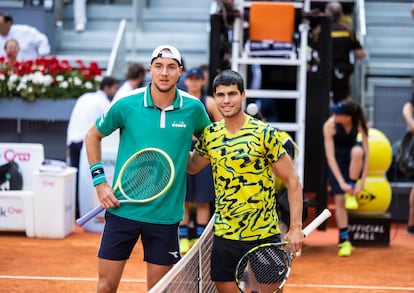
(173, 54)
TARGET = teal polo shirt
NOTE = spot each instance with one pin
(141, 125)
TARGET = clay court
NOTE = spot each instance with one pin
(70, 265)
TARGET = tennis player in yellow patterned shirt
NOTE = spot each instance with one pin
(244, 153)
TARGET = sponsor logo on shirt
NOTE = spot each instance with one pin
(180, 124)
(101, 119)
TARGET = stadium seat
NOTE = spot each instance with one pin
(271, 29)
(272, 21)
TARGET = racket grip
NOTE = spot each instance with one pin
(89, 215)
(316, 222)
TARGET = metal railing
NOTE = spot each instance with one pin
(117, 61)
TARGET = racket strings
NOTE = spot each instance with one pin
(268, 265)
(145, 176)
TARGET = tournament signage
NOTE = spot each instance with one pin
(370, 231)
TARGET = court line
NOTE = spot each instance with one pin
(394, 288)
(46, 278)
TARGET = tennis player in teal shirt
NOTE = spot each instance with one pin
(157, 116)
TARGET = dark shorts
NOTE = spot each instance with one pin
(200, 187)
(340, 86)
(75, 149)
(160, 241)
(226, 254)
(343, 163)
(344, 167)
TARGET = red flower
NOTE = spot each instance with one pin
(54, 78)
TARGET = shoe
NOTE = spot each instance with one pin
(185, 245)
(345, 248)
(410, 230)
(351, 202)
(80, 27)
(193, 241)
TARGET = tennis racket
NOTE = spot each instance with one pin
(145, 176)
(266, 267)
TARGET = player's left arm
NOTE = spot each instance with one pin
(196, 162)
(285, 170)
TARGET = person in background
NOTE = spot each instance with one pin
(205, 69)
(161, 116)
(200, 187)
(344, 42)
(88, 107)
(181, 81)
(11, 47)
(58, 6)
(32, 43)
(244, 151)
(347, 160)
(408, 114)
(79, 15)
(135, 78)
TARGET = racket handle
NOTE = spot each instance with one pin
(89, 215)
(316, 222)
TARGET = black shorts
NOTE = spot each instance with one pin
(226, 254)
(160, 241)
(340, 86)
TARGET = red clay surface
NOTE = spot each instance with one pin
(70, 265)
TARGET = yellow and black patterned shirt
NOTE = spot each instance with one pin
(245, 204)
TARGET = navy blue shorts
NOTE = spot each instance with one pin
(343, 161)
(160, 241)
(226, 254)
(200, 186)
(343, 165)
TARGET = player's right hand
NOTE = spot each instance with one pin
(106, 196)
